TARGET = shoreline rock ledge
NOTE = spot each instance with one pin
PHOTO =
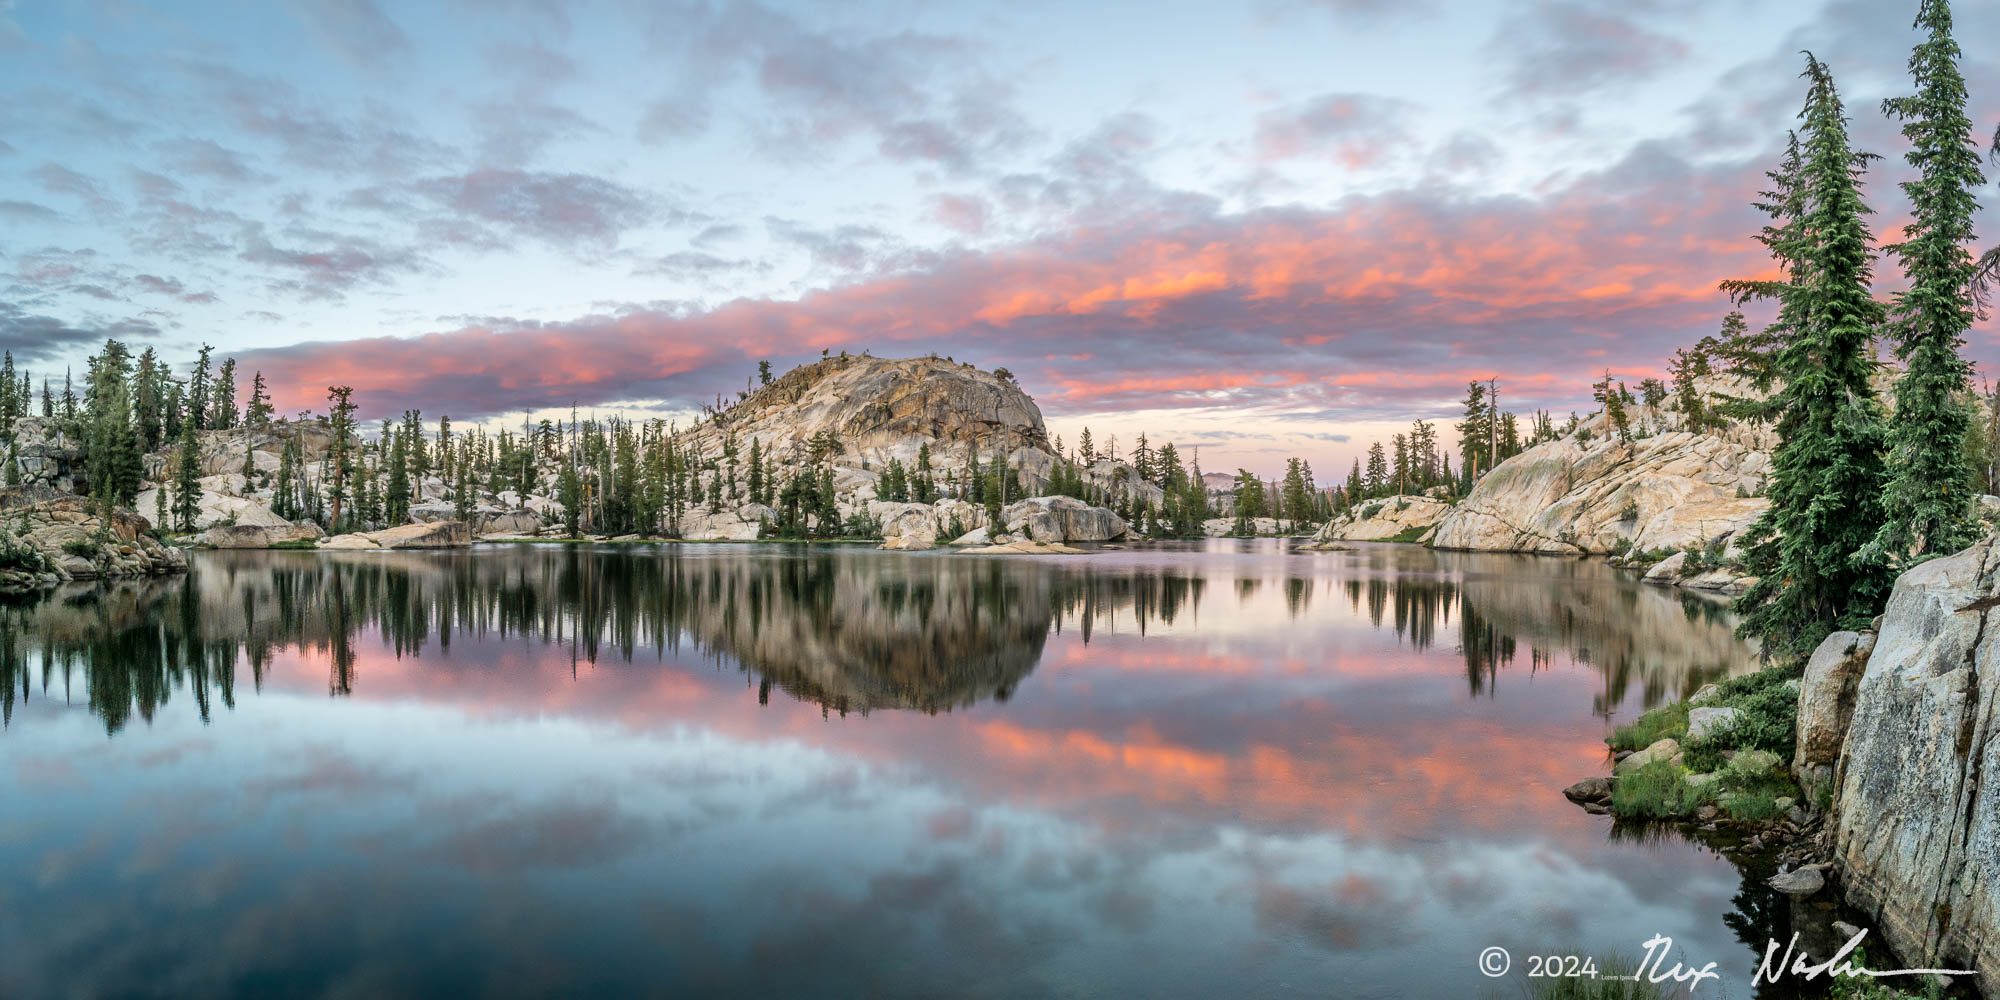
(66, 537)
(1917, 812)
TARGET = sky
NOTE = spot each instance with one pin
(1258, 229)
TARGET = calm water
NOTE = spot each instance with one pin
(531, 770)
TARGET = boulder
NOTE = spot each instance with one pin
(1915, 830)
(217, 506)
(1665, 749)
(1798, 883)
(512, 522)
(1667, 570)
(1707, 719)
(1377, 520)
(434, 535)
(1062, 519)
(1706, 694)
(915, 542)
(738, 525)
(1589, 790)
(256, 536)
(440, 535)
(1826, 704)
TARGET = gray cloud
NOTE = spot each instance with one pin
(1360, 130)
(921, 97)
(27, 211)
(34, 337)
(326, 265)
(207, 158)
(1556, 50)
(576, 211)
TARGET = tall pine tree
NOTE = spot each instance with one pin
(1928, 505)
(1827, 472)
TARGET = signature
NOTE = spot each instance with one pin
(1799, 964)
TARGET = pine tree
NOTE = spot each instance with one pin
(569, 493)
(1928, 504)
(148, 400)
(340, 454)
(187, 477)
(1613, 395)
(1473, 432)
(222, 401)
(112, 458)
(198, 389)
(11, 406)
(1826, 474)
(258, 412)
(396, 503)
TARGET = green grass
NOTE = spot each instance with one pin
(1658, 790)
(295, 543)
(1652, 727)
(1413, 533)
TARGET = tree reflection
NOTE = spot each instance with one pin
(850, 631)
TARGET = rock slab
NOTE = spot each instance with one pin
(1916, 829)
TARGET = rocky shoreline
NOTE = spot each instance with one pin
(1891, 736)
(48, 538)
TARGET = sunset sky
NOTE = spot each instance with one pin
(1269, 228)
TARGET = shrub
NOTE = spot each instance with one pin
(1766, 718)
(1866, 988)
(82, 548)
(1413, 533)
(20, 556)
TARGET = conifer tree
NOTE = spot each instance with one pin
(340, 454)
(569, 493)
(396, 503)
(222, 401)
(187, 476)
(198, 389)
(257, 412)
(1928, 505)
(112, 458)
(1826, 474)
(1473, 433)
(148, 398)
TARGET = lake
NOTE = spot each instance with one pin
(1221, 769)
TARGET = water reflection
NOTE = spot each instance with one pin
(848, 631)
(1225, 770)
